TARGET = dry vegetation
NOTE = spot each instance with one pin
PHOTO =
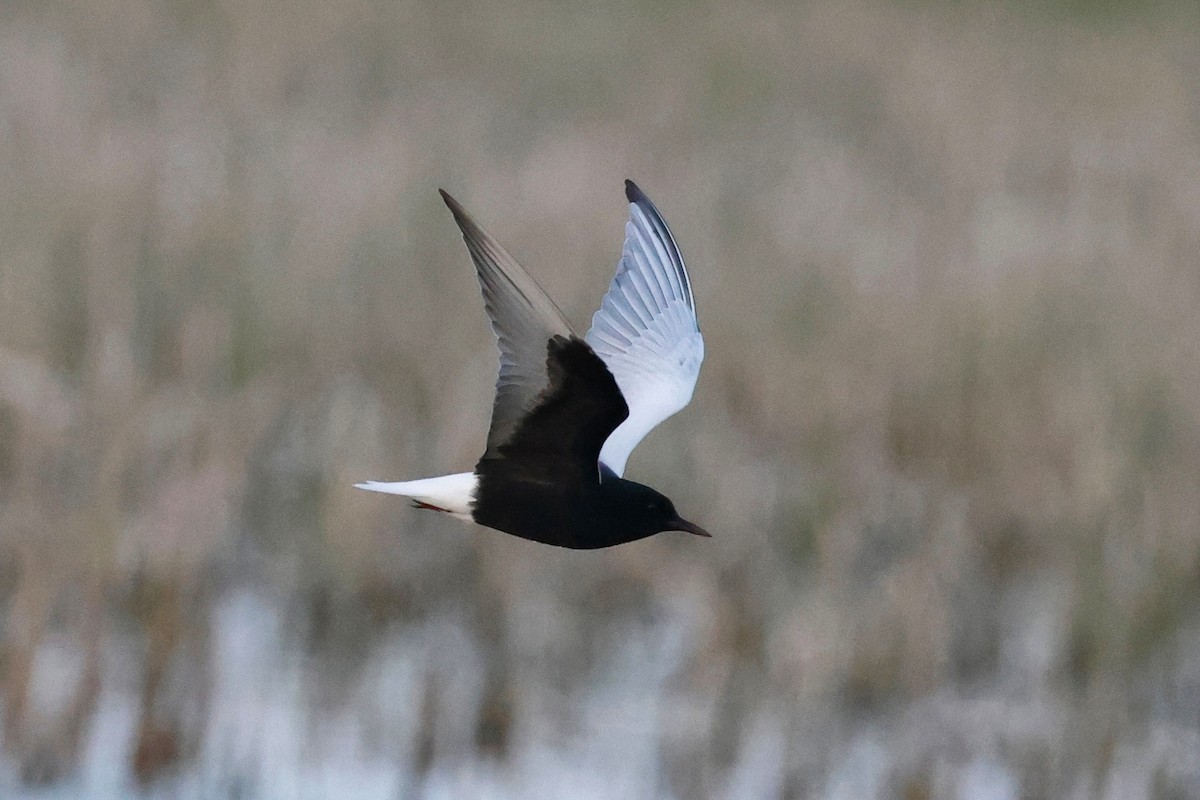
(948, 432)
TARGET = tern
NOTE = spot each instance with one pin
(569, 410)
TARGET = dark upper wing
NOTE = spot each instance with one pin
(524, 319)
(577, 412)
(646, 329)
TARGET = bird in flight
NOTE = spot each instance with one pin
(569, 410)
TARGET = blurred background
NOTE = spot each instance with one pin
(947, 434)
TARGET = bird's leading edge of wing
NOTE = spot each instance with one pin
(646, 329)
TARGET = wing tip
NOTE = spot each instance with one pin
(472, 232)
(634, 193)
(455, 208)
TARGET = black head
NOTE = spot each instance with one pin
(648, 512)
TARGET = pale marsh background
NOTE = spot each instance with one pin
(947, 258)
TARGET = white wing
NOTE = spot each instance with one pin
(646, 329)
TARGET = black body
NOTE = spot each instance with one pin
(545, 483)
(575, 515)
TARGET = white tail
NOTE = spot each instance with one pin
(450, 493)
